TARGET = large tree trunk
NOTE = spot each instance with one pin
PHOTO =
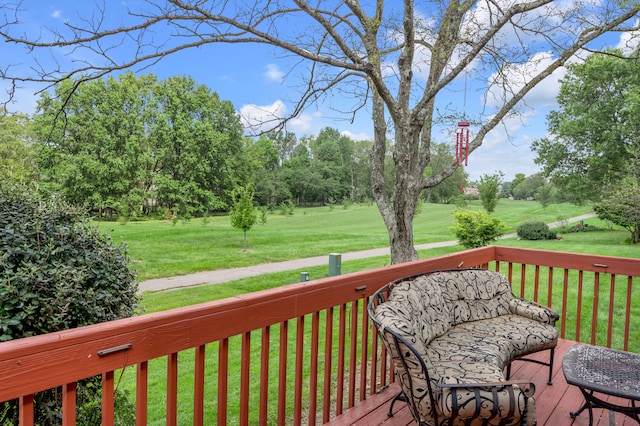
(397, 209)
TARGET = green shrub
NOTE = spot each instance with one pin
(534, 230)
(57, 272)
(476, 228)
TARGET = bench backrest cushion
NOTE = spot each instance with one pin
(473, 295)
(416, 311)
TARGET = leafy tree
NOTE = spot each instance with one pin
(361, 176)
(303, 180)
(200, 147)
(528, 188)
(332, 160)
(131, 143)
(448, 189)
(595, 128)
(16, 149)
(476, 228)
(517, 180)
(264, 161)
(398, 60)
(96, 156)
(58, 272)
(489, 187)
(623, 209)
(243, 215)
(545, 195)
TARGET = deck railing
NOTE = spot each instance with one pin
(298, 354)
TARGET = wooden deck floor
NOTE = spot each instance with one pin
(553, 402)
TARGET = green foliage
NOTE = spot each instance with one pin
(287, 207)
(622, 208)
(18, 163)
(56, 272)
(528, 187)
(447, 190)
(47, 406)
(595, 129)
(533, 230)
(489, 186)
(243, 215)
(263, 215)
(546, 195)
(134, 143)
(476, 228)
(519, 178)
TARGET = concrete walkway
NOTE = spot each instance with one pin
(225, 275)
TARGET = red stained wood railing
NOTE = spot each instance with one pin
(312, 343)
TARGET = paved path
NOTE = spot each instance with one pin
(225, 275)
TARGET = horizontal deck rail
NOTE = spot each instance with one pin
(298, 354)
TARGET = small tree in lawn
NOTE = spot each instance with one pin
(243, 214)
(488, 187)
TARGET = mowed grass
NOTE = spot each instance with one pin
(162, 249)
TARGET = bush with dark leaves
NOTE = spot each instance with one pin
(57, 272)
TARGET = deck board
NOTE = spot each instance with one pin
(553, 402)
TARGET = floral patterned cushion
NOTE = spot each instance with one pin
(465, 326)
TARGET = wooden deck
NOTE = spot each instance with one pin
(553, 403)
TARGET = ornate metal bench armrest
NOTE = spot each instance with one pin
(490, 400)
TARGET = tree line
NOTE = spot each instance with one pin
(136, 145)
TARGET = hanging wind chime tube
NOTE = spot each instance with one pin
(462, 143)
(462, 146)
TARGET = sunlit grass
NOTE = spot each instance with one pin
(161, 249)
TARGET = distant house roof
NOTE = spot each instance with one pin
(472, 191)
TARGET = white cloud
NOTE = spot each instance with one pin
(507, 148)
(630, 40)
(306, 123)
(256, 118)
(513, 78)
(263, 118)
(361, 136)
(56, 13)
(274, 74)
(24, 99)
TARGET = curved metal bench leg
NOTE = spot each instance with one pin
(399, 397)
(552, 352)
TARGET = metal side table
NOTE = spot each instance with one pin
(605, 371)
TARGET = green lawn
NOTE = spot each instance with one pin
(161, 249)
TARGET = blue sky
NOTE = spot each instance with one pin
(254, 78)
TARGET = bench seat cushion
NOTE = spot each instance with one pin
(478, 352)
(491, 343)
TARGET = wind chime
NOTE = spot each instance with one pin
(462, 146)
(462, 143)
